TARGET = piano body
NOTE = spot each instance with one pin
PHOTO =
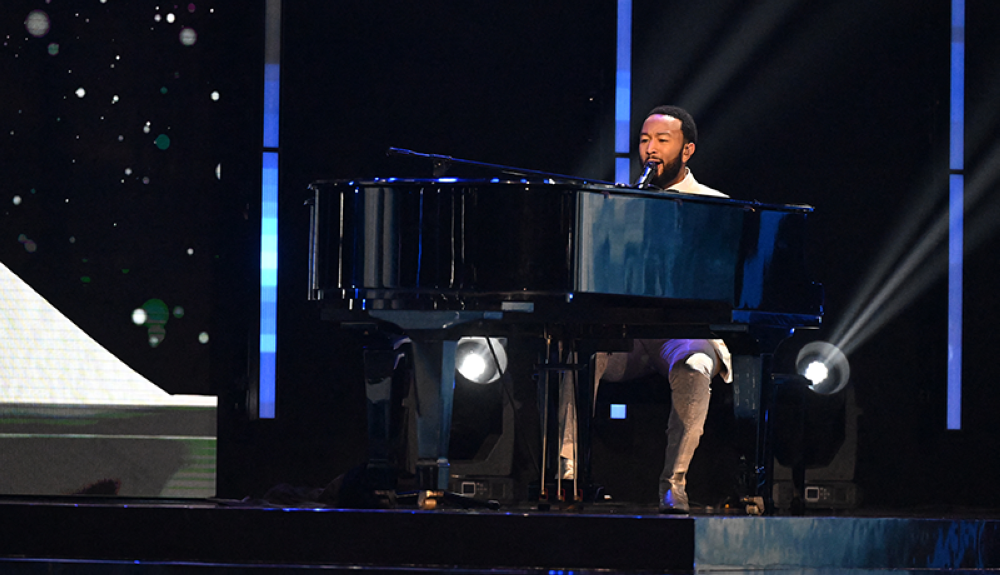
(441, 259)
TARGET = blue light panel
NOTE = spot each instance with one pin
(955, 256)
(268, 284)
(957, 116)
(619, 411)
(623, 90)
(266, 378)
(956, 214)
(272, 101)
(622, 169)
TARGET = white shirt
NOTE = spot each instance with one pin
(689, 185)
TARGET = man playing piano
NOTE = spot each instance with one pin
(668, 139)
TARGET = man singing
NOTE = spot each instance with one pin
(668, 139)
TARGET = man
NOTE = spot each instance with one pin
(668, 139)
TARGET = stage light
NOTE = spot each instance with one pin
(824, 365)
(481, 360)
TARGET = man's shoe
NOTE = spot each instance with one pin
(674, 500)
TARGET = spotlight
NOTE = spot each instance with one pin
(481, 360)
(824, 365)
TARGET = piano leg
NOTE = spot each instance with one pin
(379, 366)
(751, 404)
(434, 372)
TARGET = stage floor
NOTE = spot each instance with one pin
(120, 535)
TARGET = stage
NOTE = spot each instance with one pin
(102, 535)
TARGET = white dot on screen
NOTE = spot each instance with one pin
(138, 316)
(170, 18)
(190, 251)
(17, 200)
(80, 92)
(203, 337)
(37, 23)
(188, 36)
(215, 96)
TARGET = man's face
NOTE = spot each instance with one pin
(662, 141)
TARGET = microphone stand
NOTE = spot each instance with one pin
(443, 163)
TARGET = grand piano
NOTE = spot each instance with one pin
(439, 259)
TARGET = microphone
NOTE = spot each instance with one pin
(400, 152)
(648, 171)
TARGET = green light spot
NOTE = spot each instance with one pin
(53, 49)
(157, 315)
(163, 90)
(124, 270)
(162, 141)
(156, 311)
(85, 279)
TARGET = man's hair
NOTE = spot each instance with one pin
(688, 128)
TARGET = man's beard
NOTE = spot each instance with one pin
(669, 172)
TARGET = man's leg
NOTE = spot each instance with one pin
(690, 365)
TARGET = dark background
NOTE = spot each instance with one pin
(842, 105)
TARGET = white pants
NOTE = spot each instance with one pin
(688, 365)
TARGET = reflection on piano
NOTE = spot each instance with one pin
(440, 259)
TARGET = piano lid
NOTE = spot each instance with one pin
(473, 244)
(540, 185)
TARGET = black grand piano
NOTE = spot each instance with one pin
(438, 259)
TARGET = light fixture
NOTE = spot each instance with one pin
(481, 360)
(824, 365)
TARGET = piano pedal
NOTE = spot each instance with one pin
(428, 500)
(754, 505)
(565, 488)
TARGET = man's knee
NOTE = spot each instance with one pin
(701, 363)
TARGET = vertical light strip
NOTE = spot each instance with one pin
(956, 214)
(272, 72)
(956, 159)
(623, 92)
(268, 284)
(269, 213)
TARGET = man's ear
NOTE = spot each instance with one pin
(688, 151)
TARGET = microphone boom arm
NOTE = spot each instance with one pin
(444, 161)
